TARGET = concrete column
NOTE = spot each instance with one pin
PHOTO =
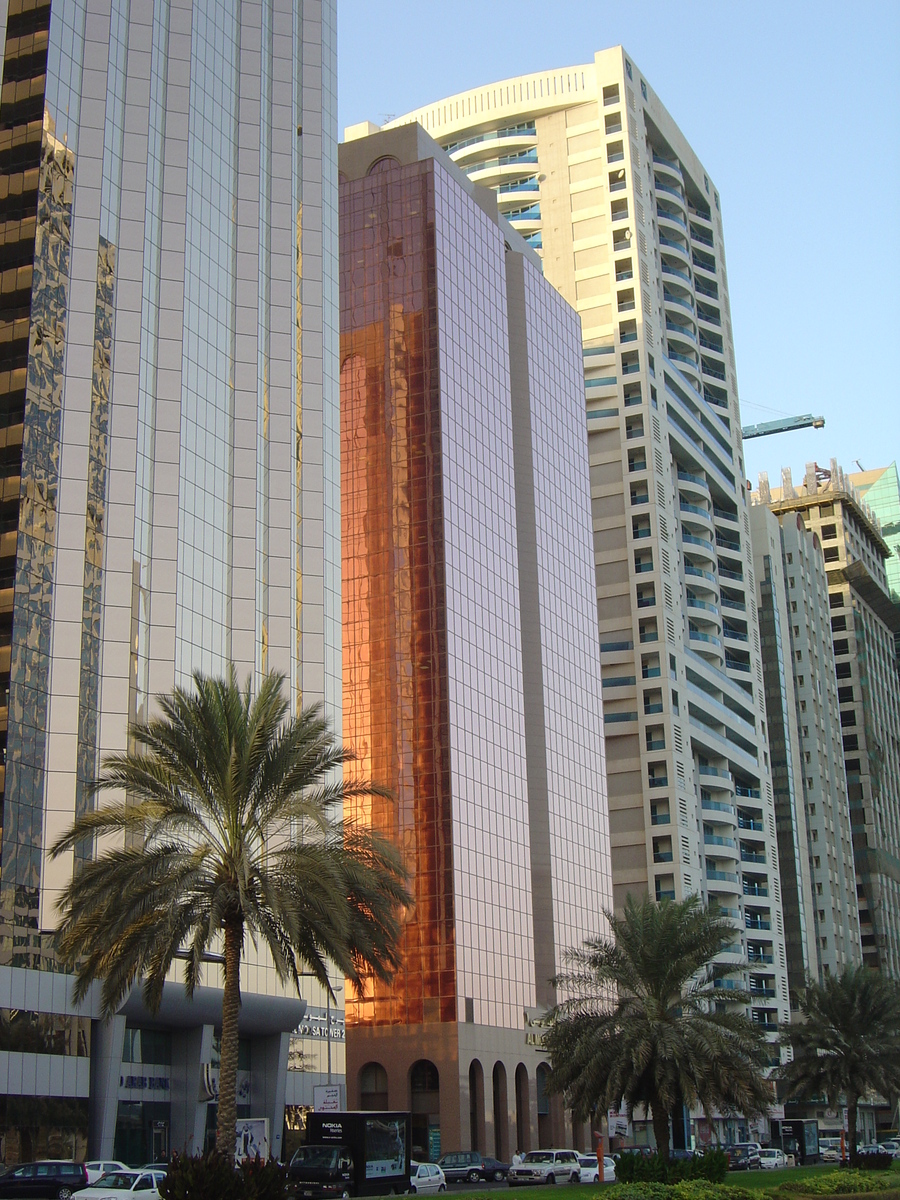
(107, 1042)
(268, 1080)
(191, 1048)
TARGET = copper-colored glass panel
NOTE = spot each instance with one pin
(395, 677)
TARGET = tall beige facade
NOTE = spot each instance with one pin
(864, 621)
(591, 169)
(815, 843)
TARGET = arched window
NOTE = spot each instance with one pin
(373, 1087)
(523, 1110)
(425, 1104)
(383, 164)
(476, 1106)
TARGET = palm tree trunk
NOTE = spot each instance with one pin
(852, 1111)
(661, 1129)
(228, 1054)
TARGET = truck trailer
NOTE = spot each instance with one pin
(352, 1154)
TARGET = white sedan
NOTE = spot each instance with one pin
(590, 1169)
(98, 1167)
(426, 1177)
(772, 1160)
(125, 1185)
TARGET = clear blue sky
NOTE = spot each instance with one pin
(793, 107)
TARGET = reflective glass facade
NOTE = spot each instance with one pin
(168, 405)
(471, 665)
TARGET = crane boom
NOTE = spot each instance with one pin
(783, 426)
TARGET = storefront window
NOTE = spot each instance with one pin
(36, 1127)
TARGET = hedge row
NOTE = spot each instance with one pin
(848, 1184)
(711, 1167)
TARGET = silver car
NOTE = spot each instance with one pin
(545, 1166)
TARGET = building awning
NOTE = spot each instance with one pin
(259, 1014)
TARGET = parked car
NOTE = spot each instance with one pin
(892, 1147)
(97, 1167)
(126, 1185)
(471, 1166)
(493, 1168)
(772, 1159)
(51, 1179)
(744, 1156)
(681, 1154)
(590, 1169)
(425, 1178)
(546, 1166)
(830, 1149)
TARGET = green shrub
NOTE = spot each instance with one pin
(200, 1177)
(838, 1183)
(213, 1177)
(262, 1179)
(711, 1167)
(639, 1191)
(874, 1162)
(703, 1189)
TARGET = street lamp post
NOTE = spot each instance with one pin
(339, 987)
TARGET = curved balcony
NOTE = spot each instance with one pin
(513, 194)
(698, 545)
(695, 510)
(685, 335)
(716, 779)
(702, 606)
(692, 481)
(525, 220)
(700, 577)
(728, 843)
(509, 141)
(706, 644)
(497, 171)
(726, 882)
(681, 296)
(672, 245)
(718, 811)
(669, 165)
(674, 270)
(681, 358)
(669, 190)
(666, 214)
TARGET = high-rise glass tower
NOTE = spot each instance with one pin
(169, 411)
(592, 170)
(471, 659)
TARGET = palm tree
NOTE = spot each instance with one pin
(847, 1042)
(646, 1023)
(231, 826)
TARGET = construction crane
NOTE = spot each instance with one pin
(786, 424)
